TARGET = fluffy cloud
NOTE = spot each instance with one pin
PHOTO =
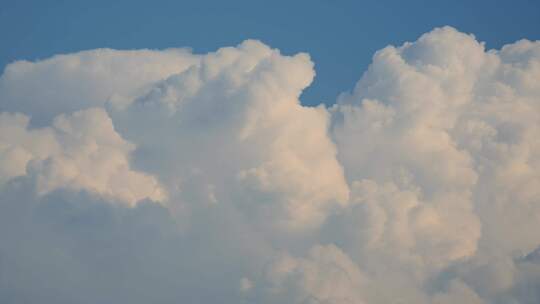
(325, 275)
(232, 131)
(413, 181)
(79, 151)
(439, 139)
(71, 82)
(420, 185)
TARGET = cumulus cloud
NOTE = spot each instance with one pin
(71, 82)
(433, 137)
(166, 176)
(325, 275)
(232, 131)
(79, 151)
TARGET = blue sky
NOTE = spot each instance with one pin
(341, 36)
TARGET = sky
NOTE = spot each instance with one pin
(321, 152)
(341, 36)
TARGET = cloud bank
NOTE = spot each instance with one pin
(167, 176)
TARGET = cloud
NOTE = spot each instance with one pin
(325, 275)
(79, 151)
(438, 139)
(72, 82)
(232, 131)
(166, 176)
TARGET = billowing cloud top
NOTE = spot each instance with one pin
(166, 177)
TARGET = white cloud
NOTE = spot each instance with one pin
(423, 181)
(234, 124)
(79, 151)
(440, 138)
(72, 82)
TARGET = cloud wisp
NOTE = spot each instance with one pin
(167, 176)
